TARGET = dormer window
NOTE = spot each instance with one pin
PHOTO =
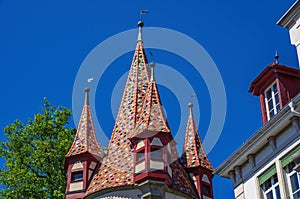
(272, 100)
(77, 176)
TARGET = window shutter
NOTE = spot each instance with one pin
(267, 174)
(288, 158)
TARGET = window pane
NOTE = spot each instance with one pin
(271, 113)
(270, 104)
(297, 195)
(268, 184)
(77, 176)
(275, 88)
(275, 179)
(277, 192)
(269, 94)
(270, 195)
(205, 189)
(276, 99)
(156, 154)
(294, 182)
(140, 156)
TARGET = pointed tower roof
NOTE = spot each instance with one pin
(153, 120)
(114, 173)
(152, 117)
(85, 139)
(193, 151)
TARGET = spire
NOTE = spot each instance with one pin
(152, 65)
(152, 116)
(193, 151)
(191, 109)
(86, 99)
(85, 138)
(140, 25)
(276, 57)
(120, 173)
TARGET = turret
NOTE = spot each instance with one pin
(195, 160)
(84, 156)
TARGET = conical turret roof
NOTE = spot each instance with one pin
(152, 117)
(117, 167)
(85, 139)
(193, 151)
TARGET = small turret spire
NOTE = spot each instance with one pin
(191, 109)
(276, 57)
(86, 99)
(140, 24)
(152, 65)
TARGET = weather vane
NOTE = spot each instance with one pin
(142, 12)
(192, 96)
(89, 80)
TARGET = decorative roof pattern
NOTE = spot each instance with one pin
(152, 117)
(181, 181)
(194, 154)
(85, 139)
(117, 167)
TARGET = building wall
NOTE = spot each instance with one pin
(295, 35)
(122, 194)
(133, 194)
(246, 176)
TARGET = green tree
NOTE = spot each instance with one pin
(34, 155)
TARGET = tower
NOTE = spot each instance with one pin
(195, 159)
(84, 155)
(150, 145)
(276, 85)
(120, 173)
(142, 159)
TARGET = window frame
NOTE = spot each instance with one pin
(276, 105)
(74, 173)
(274, 186)
(289, 173)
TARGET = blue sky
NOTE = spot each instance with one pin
(43, 44)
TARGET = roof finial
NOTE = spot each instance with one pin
(276, 57)
(152, 65)
(191, 108)
(141, 24)
(86, 100)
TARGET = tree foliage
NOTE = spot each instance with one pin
(34, 155)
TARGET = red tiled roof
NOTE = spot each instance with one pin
(117, 167)
(194, 154)
(181, 181)
(140, 110)
(152, 117)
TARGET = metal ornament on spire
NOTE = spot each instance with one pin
(141, 24)
(152, 65)
(276, 57)
(86, 100)
(191, 109)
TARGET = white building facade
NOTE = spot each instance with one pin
(291, 21)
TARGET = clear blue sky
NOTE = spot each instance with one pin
(43, 44)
